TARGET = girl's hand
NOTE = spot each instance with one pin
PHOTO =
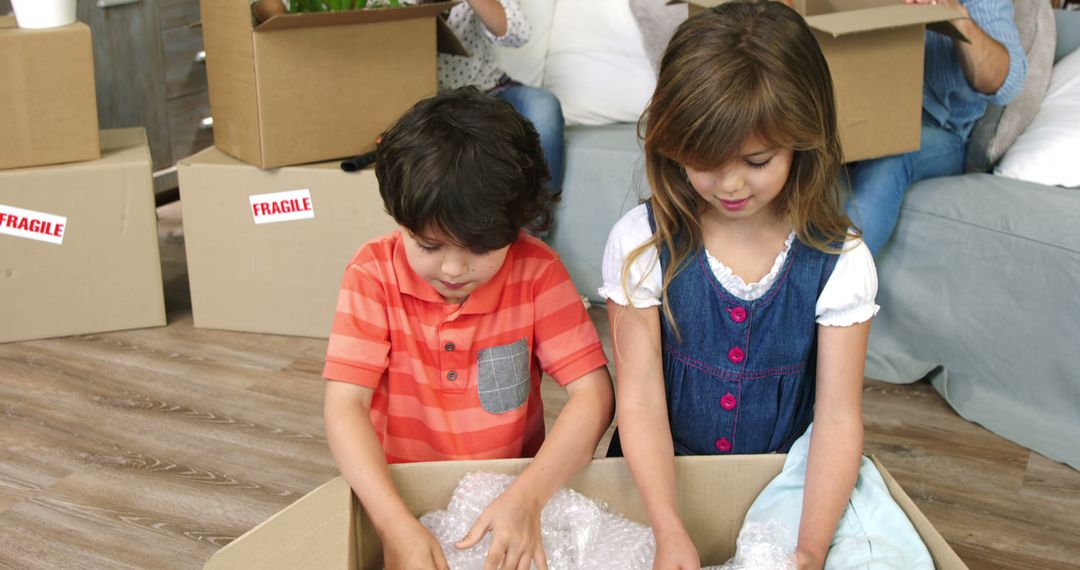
(409, 545)
(514, 522)
(675, 551)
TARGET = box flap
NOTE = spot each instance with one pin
(322, 19)
(944, 556)
(447, 41)
(7, 22)
(315, 532)
(881, 18)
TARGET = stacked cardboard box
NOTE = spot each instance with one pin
(269, 230)
(48, 108)
(79, 244)
(78, 230)
(266, 249)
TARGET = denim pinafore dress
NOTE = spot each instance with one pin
(739, 377)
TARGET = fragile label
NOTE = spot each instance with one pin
(32, 225)
(281, 206)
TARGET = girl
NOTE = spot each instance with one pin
(739, 298)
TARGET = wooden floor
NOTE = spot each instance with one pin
(154, 448)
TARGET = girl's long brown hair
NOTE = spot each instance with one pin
(741, 69)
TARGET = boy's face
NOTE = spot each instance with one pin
(454, 271)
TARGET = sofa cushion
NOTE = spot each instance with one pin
(1047, 151)
(604, 180)
(978, 289)
(999, 128)
(596, 63)
(526, 63)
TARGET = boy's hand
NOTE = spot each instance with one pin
(410, 546)
(675, 551)
(514, 522)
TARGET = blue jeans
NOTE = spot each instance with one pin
(879, 184)
(542, 108)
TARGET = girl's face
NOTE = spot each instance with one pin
(746, 186)
(454, 271)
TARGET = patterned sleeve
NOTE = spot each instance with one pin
(517, 27)
(995, 17)
(850, 293)
(644, 280)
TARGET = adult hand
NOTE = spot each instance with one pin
(675, 551)
(514, 522)
(954, 4)
(409, 545)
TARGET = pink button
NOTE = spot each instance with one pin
(736, 355)
(723, 444)
(727, 402)
(738, 314)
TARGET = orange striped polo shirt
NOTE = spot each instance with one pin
(459, 381)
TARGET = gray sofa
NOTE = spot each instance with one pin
(979, 287)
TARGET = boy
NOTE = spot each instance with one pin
(444, 328)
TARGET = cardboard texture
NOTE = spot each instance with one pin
(874, 49)
(266, 249)
(79, 245)
(301, 88)
(327, 528)
(48, 107)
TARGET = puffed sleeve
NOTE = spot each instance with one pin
(517, 27)
(644, 280)
(849, 294)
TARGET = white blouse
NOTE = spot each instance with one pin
(847, 299)
(481, 69)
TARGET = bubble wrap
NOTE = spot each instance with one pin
(762, 546)
(577, 532)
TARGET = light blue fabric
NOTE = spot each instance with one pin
(542, 108)
(873, 534)
(947, 96)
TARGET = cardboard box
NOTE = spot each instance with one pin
(266, 249)
(79, 245)
(328, 529)
(302, 88)
(48, 107)
(874, 49)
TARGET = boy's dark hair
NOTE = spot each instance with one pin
(467, 168)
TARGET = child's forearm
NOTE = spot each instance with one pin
(572, 441)
(359, 455)
(831, 470)
(650, 455)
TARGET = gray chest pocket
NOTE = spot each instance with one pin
(503, 376)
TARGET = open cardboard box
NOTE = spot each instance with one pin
(303, 88)
(874, 49)
(266, 249)
(328, 530)
(48, 107)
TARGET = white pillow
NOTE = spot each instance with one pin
(526, 63)
(596, 62)
(1047, 151)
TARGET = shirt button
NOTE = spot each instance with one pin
(723, 445)
(736, 355)
(449, 347)
(727, 402)
(452, 375)
(738, 314)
